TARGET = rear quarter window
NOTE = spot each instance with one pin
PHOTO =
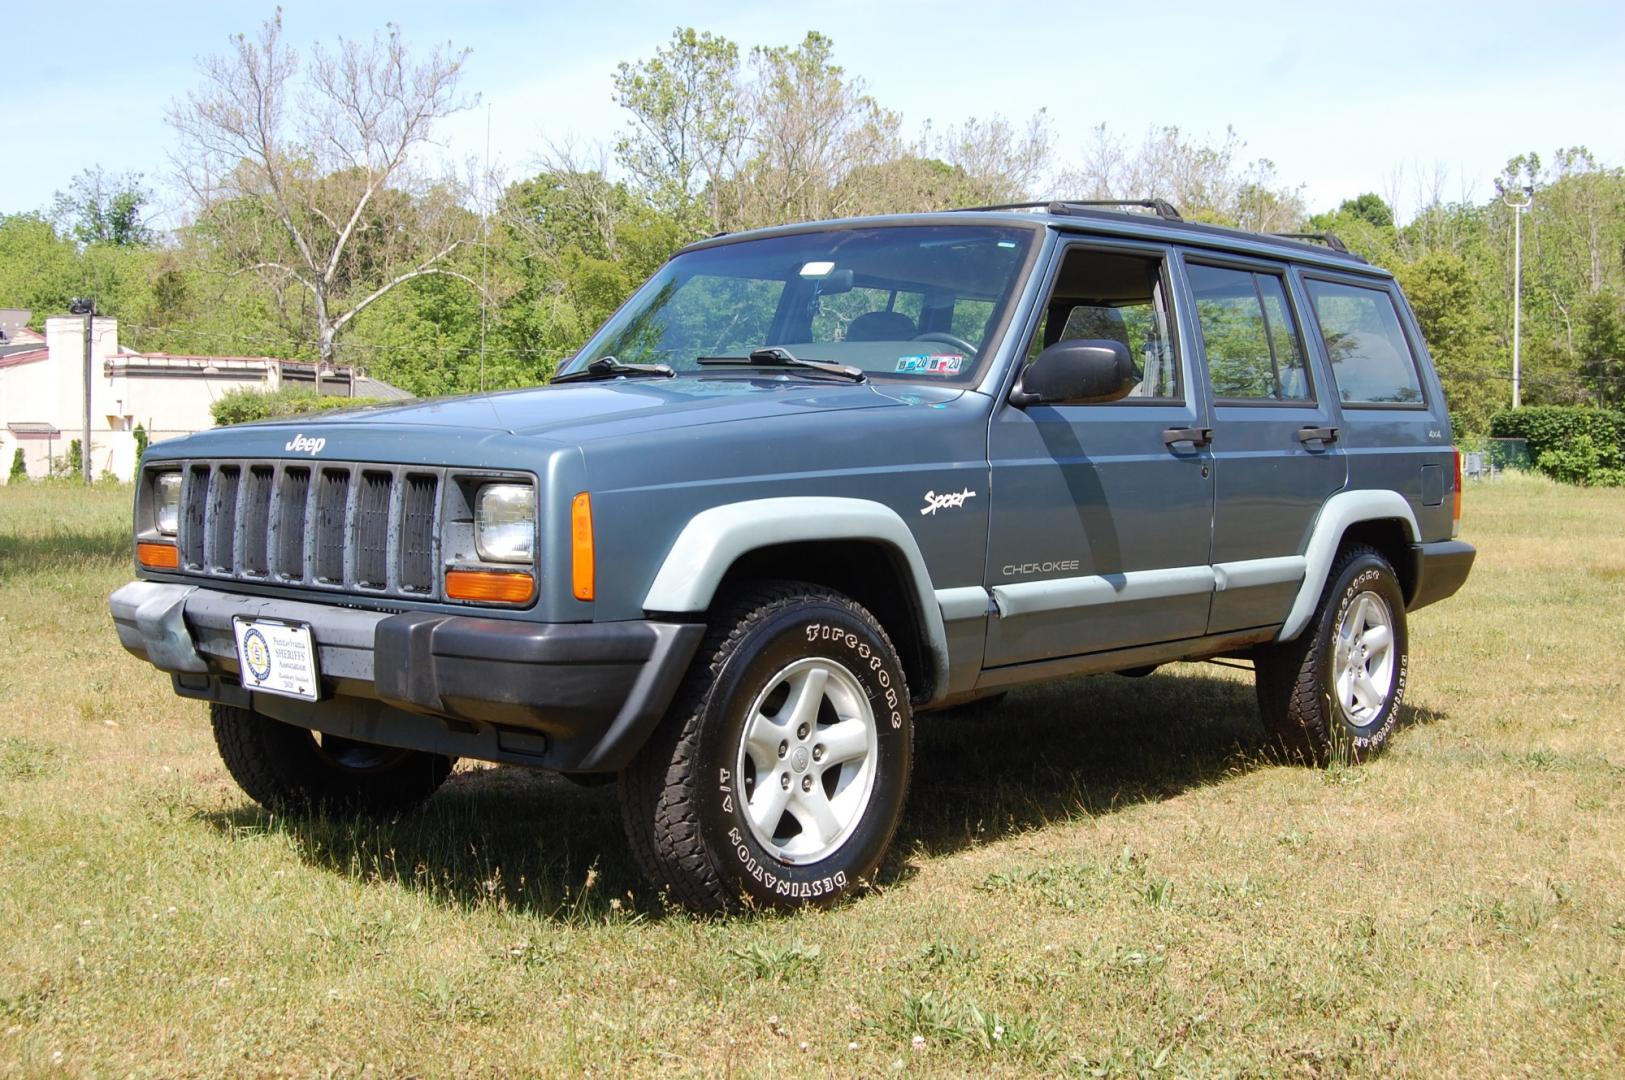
(1371, 358)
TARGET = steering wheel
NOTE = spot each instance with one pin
(947, 339)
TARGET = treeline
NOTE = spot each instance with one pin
(316, 229)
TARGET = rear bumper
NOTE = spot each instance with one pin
(572, 696)
(1440, 569)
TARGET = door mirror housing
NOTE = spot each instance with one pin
(1078, 372)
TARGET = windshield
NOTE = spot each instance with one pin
(907, 302)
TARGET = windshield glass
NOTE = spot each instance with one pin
(909, 302)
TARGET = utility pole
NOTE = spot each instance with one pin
(1509, 196)
(87, 308)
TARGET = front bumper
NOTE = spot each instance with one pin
(571, 696)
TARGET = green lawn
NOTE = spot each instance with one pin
(1103, 877)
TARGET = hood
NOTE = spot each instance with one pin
(569, 414)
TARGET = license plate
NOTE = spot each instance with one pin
(277, 658)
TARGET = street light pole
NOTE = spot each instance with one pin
(87, 308)
(1518, 208)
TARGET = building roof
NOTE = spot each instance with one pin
(32, 429)
(25, 355)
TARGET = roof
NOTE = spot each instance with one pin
(367, 386)
(30, 354)
(1075, 218)
(30, 429)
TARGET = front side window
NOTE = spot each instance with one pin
(904, 301)
(1115, 296)
(1371, 359)
(1253, 348)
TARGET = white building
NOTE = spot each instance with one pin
(42, 395)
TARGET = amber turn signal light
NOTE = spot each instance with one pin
(581, 546)
(155, 556)
(490, 586)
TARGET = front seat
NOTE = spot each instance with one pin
(881, 326)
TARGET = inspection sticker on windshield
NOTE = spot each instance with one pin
(276, 657)
(940, 364)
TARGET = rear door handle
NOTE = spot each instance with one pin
(1317, 434)
(1196, 436)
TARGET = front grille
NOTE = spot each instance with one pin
(337, 526)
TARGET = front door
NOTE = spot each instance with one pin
(1102, 513)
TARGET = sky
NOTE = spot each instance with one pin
(1343, 98)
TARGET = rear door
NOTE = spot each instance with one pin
(1101, 517)
(1277, 442)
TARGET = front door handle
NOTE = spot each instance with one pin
(1196, 436)
(1317, 434)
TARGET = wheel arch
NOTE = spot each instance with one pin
(856, 546)
(1382, 519)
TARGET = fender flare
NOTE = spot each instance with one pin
(1340, 511)
(714, 539)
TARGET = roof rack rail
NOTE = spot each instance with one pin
(1331, 240)
(1161, 207)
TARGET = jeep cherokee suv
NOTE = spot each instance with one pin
(808, 484)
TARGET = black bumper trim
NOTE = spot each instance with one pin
(1440, 569)
(595, 690)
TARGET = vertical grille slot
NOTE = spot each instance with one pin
(192, 516)
(372, 530)
(290, 535)
(223, 518)
(332, 493)
(257, 521)
(417, 534)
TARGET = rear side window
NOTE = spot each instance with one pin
(1371, 359)
(1254, 350)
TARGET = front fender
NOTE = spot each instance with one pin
(715, 539)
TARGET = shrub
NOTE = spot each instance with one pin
(1570, 443)
(76, 459)
(241, 406)
(140, 443)
(19, 467)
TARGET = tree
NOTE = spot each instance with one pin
(101, 209)
(310, 181)
(1204, 180)
(19, 467)
(1369, 208)
(689, 124)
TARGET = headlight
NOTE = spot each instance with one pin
(505, 523)
(166, 509)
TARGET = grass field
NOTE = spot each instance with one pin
(1104, 877)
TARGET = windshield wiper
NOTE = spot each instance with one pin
(775, 357)
(607, 367)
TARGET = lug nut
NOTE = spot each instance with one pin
(784, 781)
(784, 748)
(818, 752)
(806, 783)
(801, 732)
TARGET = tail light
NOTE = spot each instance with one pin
(1455, 505)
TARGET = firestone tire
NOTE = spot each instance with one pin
(1334, 693)
(290, 769)
(777, 779)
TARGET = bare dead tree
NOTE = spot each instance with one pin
(311, 178)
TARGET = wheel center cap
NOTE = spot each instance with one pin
(799, 759)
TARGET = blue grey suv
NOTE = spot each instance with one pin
(808, 485)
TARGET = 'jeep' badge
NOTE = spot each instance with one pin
(302, 445)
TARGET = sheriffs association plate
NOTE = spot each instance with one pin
(277, 658)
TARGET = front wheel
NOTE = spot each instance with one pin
(1334, 693)
(778, 777)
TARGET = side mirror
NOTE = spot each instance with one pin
(1078, 372)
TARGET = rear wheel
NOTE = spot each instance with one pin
(1334, 693)
(778, 777)
(283, 767)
